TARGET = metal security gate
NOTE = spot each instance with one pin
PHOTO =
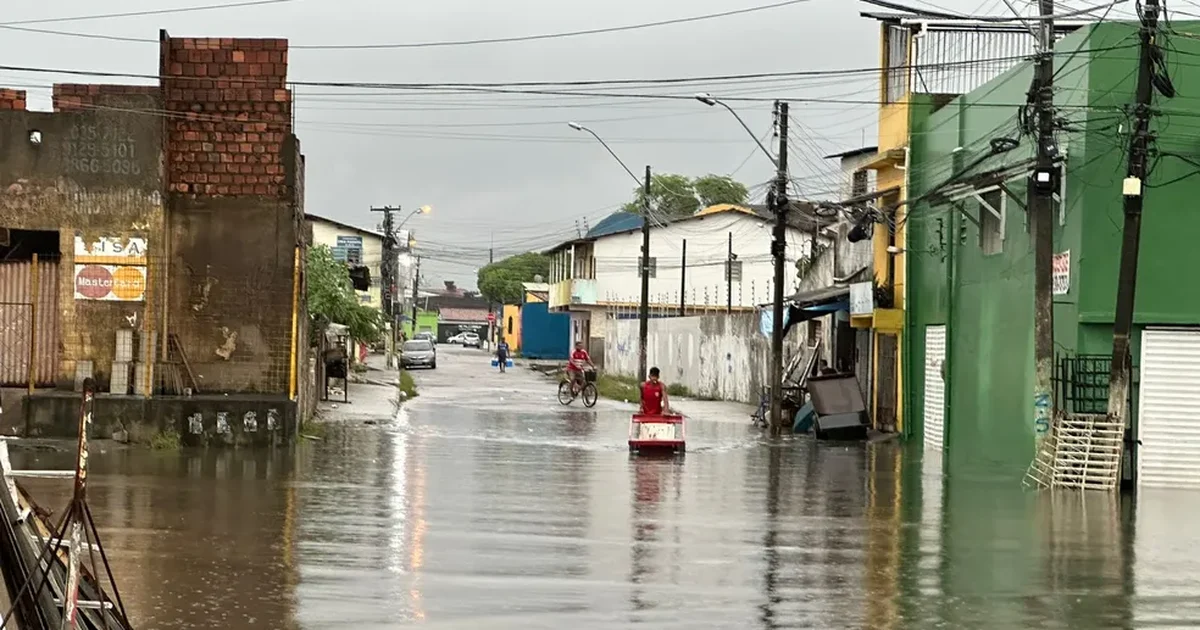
(1168, 423)
(18, 328)
(885, 403)
(935, 388)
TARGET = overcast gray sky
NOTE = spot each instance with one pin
(506, 168)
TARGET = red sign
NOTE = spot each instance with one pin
(491, 318)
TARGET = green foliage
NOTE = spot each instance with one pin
(332, 299)
(677, 196)
(714, 189)
(408, 387)
(166, 440)
(501, 280)
(618, 388)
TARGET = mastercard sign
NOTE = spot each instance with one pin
(118, 283)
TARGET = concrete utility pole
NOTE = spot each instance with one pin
(387, 269)
(729, 277)
(1134, 186)
(1041, 218)
(683, 281)
(644, 311)
(779, 202)
(416, 283)
(491, 305)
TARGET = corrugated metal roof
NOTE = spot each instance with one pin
(615, 223)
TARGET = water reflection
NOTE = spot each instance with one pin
(457, 518)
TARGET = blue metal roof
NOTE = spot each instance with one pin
(615, 223)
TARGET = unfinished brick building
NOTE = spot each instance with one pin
(174, 211)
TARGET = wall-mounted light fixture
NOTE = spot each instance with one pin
(35, 137)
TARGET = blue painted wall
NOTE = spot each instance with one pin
(544, 335)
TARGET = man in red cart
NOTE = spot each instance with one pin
(654, 396)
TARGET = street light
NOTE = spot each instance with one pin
(644, 309)
(779, 204)
(708, 99)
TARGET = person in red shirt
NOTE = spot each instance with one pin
(654, 396)
(580, 360)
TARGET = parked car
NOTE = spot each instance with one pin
(418, 353)
(471, 340)
(426, 336)
(456, 339)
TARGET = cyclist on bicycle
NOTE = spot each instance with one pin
(580, 360)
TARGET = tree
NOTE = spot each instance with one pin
(715, 189)
(332, 299)
(677, 196)
(501, 281)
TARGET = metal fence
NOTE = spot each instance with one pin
(1081, 383)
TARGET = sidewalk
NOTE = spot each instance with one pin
(713, 410)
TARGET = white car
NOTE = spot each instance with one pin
(456, 338)
(471, 340)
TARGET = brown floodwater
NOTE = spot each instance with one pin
(522, 515)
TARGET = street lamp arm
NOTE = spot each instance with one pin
(579, 127)
(710, 101)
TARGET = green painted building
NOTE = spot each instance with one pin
(970, 278)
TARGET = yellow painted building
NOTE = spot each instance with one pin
(510, 326)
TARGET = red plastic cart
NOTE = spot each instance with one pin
(657, 433)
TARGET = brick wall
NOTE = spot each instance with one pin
(229, 112)
(12, 99)
(78, 97)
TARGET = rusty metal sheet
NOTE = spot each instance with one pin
(17, 329)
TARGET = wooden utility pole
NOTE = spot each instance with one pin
(779, 202)
(1133, 188)
(1041, 218)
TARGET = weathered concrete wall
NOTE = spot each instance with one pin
(97, 171)
(231, 291)
(715, 356)
(198, 420)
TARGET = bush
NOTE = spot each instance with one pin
(166, 440)
(408, 387)
(618, 387)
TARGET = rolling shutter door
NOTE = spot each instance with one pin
(935, 388)
(1169, 409)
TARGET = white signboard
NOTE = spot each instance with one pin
(110, 283)
(656, 431)
(113, 250)
(1061, 276)
(862, 298)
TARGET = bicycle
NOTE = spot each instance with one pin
(570, 389)
(759, 417)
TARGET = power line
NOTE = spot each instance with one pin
(410, 45)
(105, 16)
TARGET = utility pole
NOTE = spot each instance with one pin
(644, 311)
(729, 277)
(1134, 187)
(1041, 218)
(780, 203)
(387, 271)
(683, 281)
(491, 305)
(416, 283)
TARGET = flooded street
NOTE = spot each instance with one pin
(484, 504)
